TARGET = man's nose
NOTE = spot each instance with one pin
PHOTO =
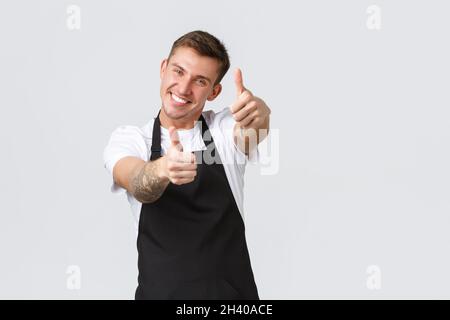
(184, 86)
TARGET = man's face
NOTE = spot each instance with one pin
(187, 81)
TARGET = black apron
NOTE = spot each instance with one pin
(191, 241)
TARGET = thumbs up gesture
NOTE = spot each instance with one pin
(181, 167)
(248, 110)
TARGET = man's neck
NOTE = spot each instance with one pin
(181, 124)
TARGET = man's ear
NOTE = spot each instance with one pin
(163, 68)
(216, 91)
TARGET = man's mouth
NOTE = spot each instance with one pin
(178, 101)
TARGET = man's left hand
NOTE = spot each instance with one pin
(249, 111)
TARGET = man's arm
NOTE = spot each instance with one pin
(248, 139)
(146, 181)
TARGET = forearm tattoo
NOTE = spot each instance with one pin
(147, 186)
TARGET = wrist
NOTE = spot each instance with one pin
(162, 171)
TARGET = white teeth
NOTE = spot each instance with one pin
(178, 99)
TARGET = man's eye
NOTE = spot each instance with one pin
(177, 71)
(201, 82)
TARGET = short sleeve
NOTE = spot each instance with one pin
(226, 123)
(125, 141)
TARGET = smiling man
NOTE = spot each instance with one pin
(188, 212)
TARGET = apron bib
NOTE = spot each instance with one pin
(191, 241)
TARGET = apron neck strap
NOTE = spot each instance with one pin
(156, 136)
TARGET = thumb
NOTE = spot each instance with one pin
(174, 138)
(238, 81)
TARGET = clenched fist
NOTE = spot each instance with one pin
(179, 167)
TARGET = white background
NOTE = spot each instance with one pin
(363, 119)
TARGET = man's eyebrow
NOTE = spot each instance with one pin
(197, 76)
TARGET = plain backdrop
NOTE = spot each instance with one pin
(362, 117)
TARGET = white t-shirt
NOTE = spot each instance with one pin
(133, 141)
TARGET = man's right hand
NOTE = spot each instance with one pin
(147, 180)
(180, 167)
